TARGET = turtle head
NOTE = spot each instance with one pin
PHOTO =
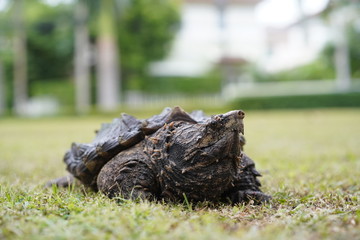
(230, 121)
(220, 135)
(203, 157)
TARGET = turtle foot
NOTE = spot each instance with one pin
(64, 182)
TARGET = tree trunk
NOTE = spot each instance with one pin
(2, 90)
(20, 58)
(108, 77)
(82, 58)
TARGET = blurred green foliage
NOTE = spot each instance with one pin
(145, 29)
(62, 89)
(50, 41)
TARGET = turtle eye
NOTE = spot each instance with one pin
(213, 124)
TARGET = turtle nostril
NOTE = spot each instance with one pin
(241, 114)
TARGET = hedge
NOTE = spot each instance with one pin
(299, 101)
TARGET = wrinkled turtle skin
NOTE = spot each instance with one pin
(169, 156)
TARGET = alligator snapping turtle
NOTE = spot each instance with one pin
(171, 156)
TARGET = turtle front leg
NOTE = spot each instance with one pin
(129, 180)
(257, 197)
(127, 175)
(246, 185)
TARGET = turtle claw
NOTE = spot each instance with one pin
(64, 181)
(257, 197)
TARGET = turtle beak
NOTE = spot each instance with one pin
(232, 121)
(236, 120)
(241, 116)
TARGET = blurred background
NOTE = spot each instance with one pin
(85, 56)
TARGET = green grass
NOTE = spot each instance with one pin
(310, 160)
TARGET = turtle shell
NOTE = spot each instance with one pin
(85, 160)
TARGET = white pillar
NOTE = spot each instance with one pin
(341, 57)
(82, 59)
(2, 90)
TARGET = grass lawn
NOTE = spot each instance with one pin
(310, 160)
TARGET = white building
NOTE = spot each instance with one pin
(210, 31)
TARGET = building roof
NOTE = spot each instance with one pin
(232, 61)
(252, 2)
